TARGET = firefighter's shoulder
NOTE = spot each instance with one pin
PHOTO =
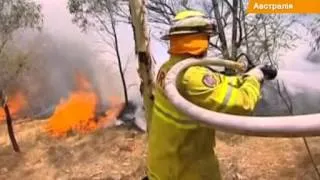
(199, 76)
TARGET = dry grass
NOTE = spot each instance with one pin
(267, 158)
(116, 153)
(119, 153)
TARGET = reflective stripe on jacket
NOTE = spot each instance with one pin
(180, 148)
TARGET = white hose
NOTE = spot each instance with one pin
(276, 126)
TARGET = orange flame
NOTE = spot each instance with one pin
(77, 113)
(15, 103)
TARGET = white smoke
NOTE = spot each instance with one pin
(300, 76)
(297, 73)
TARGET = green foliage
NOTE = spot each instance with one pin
(99, 14)
(15, 15)
(13, 63)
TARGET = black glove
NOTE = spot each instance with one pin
(270, 72)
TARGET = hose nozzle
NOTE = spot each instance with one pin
(270, 72)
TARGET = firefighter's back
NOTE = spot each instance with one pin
(179, 148)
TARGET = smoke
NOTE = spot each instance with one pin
(55, 62)
(298, 74)
(59, 52)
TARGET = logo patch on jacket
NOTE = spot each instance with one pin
(209, 81)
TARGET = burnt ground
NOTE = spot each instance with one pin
(118, 153)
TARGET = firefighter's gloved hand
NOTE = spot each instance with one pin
(270, 72)
(256, 72)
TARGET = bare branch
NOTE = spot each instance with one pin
(234, 29)
(103, 24)
(242, 11)
(222, 35)
(266, 46)
(184, 4)
(238, 43)
(162, 3)
(287, 101)
(230, 5)
(160, 10)
(215, 46)
(110, 42)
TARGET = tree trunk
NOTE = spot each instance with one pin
(10, 129)
(123, 80)
(234, 29)
(145, 70)
(242, 10)
(222, 35)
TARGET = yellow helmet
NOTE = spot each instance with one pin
(191, 22)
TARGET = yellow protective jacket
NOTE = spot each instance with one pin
(182, 149)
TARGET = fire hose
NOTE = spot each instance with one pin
(276, 126)
(279, 126)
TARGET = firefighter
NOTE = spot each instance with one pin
(180, 148)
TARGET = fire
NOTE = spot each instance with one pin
(77, 113)
(112, 113)
(16, 103)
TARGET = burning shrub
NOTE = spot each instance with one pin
(78, 111)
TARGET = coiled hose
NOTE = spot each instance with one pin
(277, 126)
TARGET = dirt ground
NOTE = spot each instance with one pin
(119, 154)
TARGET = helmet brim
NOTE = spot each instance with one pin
(166, 37)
